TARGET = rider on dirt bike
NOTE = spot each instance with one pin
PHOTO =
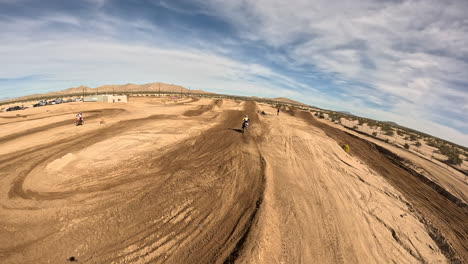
(246, 122)
(79, 118)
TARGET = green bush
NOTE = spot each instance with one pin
(454, 159)
(406, 146)
(432, 143)
(374, 134)
(386, 127)
(418, 144)
(389, 133)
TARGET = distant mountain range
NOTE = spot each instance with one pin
(391, 123)
(124, 88)
(287, 100)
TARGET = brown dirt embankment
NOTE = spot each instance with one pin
(445, 219)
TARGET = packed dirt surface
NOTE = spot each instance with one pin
(161, 180)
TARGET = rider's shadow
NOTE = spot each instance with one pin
(235, 129)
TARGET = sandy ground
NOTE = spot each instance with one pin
(175, 181)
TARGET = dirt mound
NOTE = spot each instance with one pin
(204, 108)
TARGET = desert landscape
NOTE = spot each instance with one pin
(172, 179)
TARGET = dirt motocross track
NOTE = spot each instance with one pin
(156, 181)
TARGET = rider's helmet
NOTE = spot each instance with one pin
(246, 116)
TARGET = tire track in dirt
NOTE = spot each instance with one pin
(193, 203)
(93, 115)
(32, 158)
(444, 219)
(220, 198)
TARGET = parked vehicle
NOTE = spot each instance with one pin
(14, 108)
(41, 103)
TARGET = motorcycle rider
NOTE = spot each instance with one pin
(246, 121)
(79, 118)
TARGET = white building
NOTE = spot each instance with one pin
(108, 98)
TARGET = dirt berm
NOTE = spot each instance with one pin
(444, 216)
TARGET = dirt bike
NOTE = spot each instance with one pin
(79, 121)
(245, 126)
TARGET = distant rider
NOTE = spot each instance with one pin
(79, 117)
(246, 121)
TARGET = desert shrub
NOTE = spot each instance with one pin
(418, 144)
(406, 146)
(321, 116)
(431, 142)
(400, 133)
(386, 140)
(334, 116)
(316, 114)
(386, 127)
(454, 159)
(372, 123)
(360, 122)
(406, 138)
(389, 132)
(374, 134)
(346, 148)
(413, 137)
(448, 150)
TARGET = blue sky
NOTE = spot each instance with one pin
(404, 61)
